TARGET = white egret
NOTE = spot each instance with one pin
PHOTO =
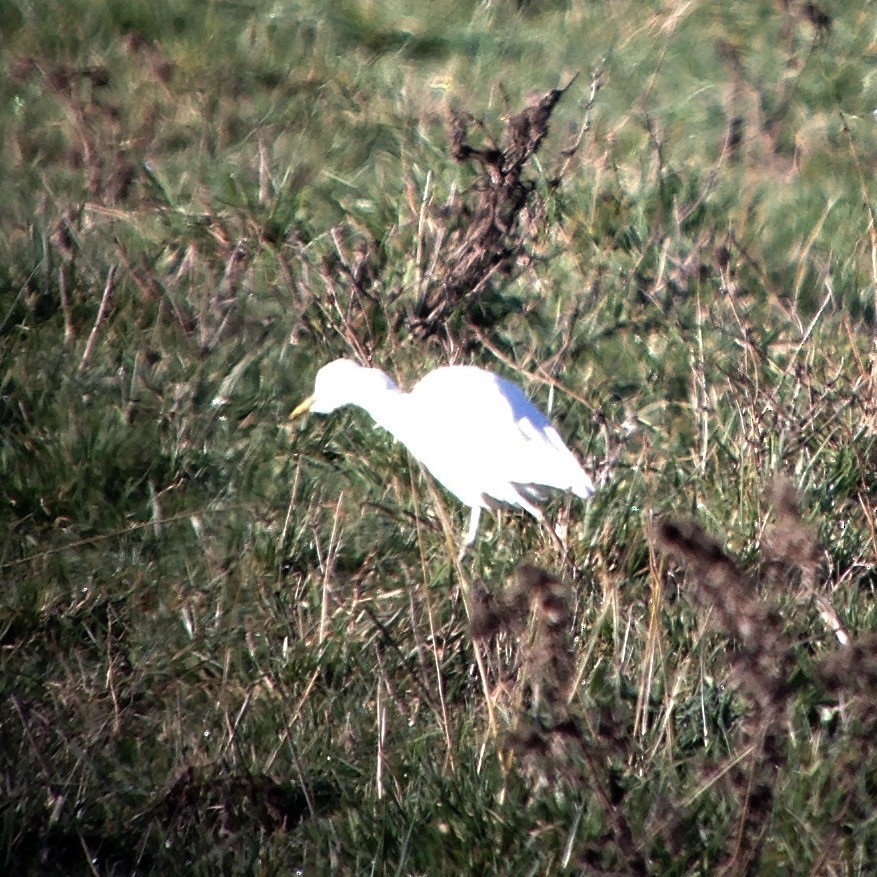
(477, 433)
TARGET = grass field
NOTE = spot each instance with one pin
(231, 644)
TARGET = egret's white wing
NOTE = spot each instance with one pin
(480, 436)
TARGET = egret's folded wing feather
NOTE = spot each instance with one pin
(480, 436)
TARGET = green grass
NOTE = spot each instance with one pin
(229, 644)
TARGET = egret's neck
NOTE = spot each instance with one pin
(385, 403)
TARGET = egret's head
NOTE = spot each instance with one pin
(343, 382)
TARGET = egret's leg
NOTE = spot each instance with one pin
(474, 518)
(539, 515)
(558, 542)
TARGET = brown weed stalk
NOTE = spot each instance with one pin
(763, 662)
(483, 234)
(552, 746)
(765, 669)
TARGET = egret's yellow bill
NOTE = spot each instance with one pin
(303, 407)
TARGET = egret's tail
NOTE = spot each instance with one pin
(583, 486)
